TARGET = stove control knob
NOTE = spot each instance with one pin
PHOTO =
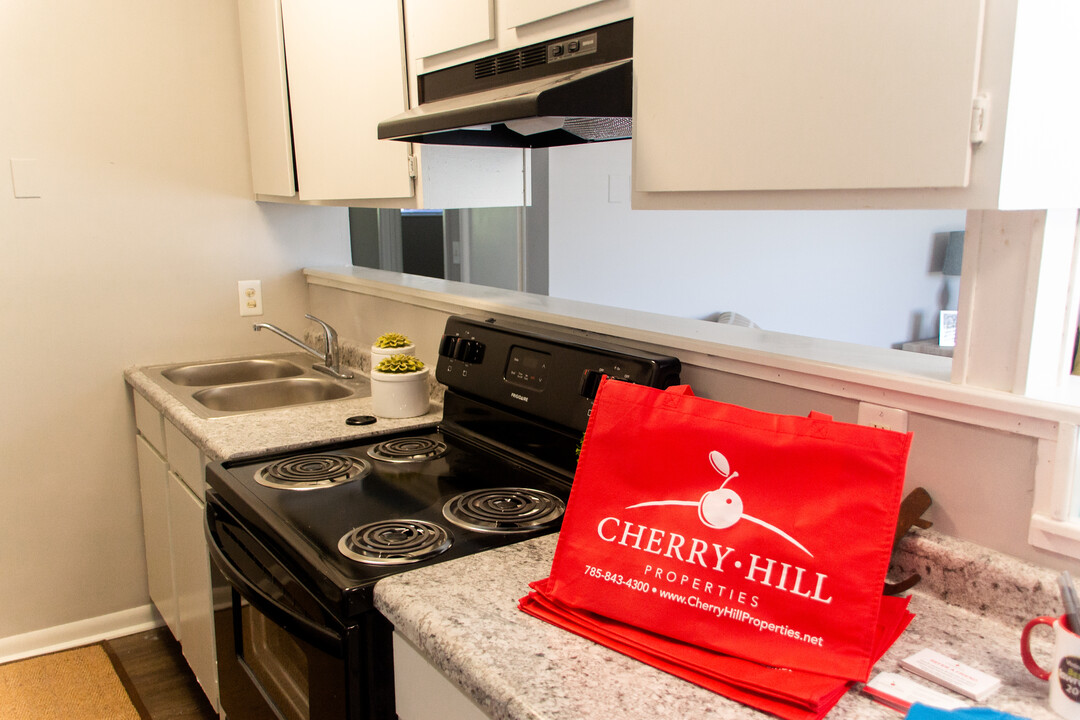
(446, 346)
(470, 351)
(590, 383)
(475, 352)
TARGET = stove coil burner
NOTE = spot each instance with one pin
(504, 510)
(395, 542)
(308, 472)
(409, 449)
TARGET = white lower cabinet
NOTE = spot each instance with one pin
(171, 487)
(422, 692)
(154, 489)
(191, 571)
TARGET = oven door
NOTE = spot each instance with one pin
(281, 656)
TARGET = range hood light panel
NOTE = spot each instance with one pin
(532, 126)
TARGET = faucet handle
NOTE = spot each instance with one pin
(331, 333)
(331, 363)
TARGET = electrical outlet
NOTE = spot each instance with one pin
(250, 297)
(886, 418)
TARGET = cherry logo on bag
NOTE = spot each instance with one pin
(720, 509)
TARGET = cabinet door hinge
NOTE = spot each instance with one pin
(412, 166)
(980, 115)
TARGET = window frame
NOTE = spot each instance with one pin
(1054, 296)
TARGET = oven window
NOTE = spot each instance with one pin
(278, 664)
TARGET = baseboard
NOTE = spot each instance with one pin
(82, 632)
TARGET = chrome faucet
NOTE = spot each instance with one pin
(331, 362)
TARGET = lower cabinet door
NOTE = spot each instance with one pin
(422, 692)
(154, 491)
(191, 565)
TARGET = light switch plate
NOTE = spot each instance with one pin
(618, 189)
(25, 178)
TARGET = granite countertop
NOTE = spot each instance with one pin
(275, 430)
(462, 614)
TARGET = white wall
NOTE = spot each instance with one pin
(134, 113)
(857, 276)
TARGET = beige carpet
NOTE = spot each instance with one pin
(77, 684)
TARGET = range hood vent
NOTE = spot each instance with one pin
(567, 91)
(523, 59)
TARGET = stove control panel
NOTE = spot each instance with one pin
(549, 375)
(528, 368)
(459, 348)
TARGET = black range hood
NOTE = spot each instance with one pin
(571, 90)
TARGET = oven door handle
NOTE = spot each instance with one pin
(295, 624)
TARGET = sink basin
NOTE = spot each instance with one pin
(228, 372)
(270, 394)
(228, 387)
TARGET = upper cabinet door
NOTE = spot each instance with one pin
(267, 97)
(515, 13)
(346, 63)
(791, 95)
(438, 26)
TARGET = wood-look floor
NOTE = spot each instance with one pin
(157, 677)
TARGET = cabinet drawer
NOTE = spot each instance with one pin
(149, 423)
(185, 459)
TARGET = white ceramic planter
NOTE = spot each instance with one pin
(378, 353)
(399, 395)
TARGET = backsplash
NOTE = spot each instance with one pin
(358, 357)
(978, 579)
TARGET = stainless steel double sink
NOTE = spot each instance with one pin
(222, 388)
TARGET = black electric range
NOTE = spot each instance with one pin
(301, 538)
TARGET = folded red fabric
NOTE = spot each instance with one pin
(786, 693)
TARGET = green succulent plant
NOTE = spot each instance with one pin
(392, 340)
(400, 364)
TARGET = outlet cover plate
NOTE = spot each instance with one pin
(250, 294)
(886, 418)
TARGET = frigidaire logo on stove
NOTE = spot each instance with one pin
(520, 397)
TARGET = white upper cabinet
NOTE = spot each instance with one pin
(438, 26)
(516, 13)
(262, 47)
(443, 33)
(851, 104)
(346, 64)
(791, 95)
(319, 77)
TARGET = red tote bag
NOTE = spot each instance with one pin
(759, 535)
